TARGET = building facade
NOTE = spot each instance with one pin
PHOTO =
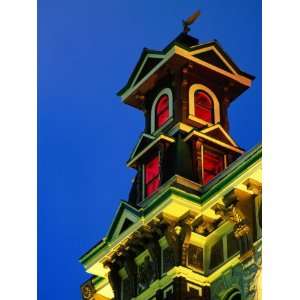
(191, 228)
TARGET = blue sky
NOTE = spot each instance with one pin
(86, 51)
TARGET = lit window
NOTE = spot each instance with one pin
(203, 106)
(162, 111)
(213, 164)
(152, 178)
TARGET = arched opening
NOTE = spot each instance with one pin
(204, 108)
(162, 111)
(234, 295)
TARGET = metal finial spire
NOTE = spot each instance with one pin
(190, 20)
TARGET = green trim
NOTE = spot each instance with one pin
(145, 52)
(123, 205)
(143, 55)
(209, 190)
(161, 138)
(141, 138)
(232, 172)
(97, 280)
(155, 202)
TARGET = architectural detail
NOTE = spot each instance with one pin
(87, 290)
(191, 228)
(215, 106)
(166, 111)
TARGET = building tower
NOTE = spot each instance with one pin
(191, 228)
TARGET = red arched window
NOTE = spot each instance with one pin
(152, 178)
(203, 106)
(213, 164)
(162, 111)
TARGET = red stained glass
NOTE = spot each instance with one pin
(203, 106)
(213, 164)
(162, 111)
(152, 180)
(152, 186)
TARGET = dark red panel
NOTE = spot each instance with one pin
(213, 164)
(203, 106)
(152, 179)
(152, 186)
(162, 111)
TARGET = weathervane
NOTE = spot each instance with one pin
(190, 20)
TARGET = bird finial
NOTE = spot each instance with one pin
(190, 20)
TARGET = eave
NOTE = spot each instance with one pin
(212, 192)
(162, 137)
(130, 92)
(197, 134)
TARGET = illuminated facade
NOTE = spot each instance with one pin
(191, 228)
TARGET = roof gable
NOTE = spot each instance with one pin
(126, 216)
(144, 141)
(147, 61)
(148, 64)
(137, 155)
(217, 132)
(215, 56)
(209, 55)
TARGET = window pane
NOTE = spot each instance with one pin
(162, 118)
(162, 111)
(152, 169)
(152, 186)
(163, 104)
(203, 106)
(213, 164)
(152, 178)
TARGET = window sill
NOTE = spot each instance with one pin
(200, 121)
(160, 129)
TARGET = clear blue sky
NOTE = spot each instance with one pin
(87, 50)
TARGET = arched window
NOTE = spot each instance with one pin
(162, 111)
(204, 108)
